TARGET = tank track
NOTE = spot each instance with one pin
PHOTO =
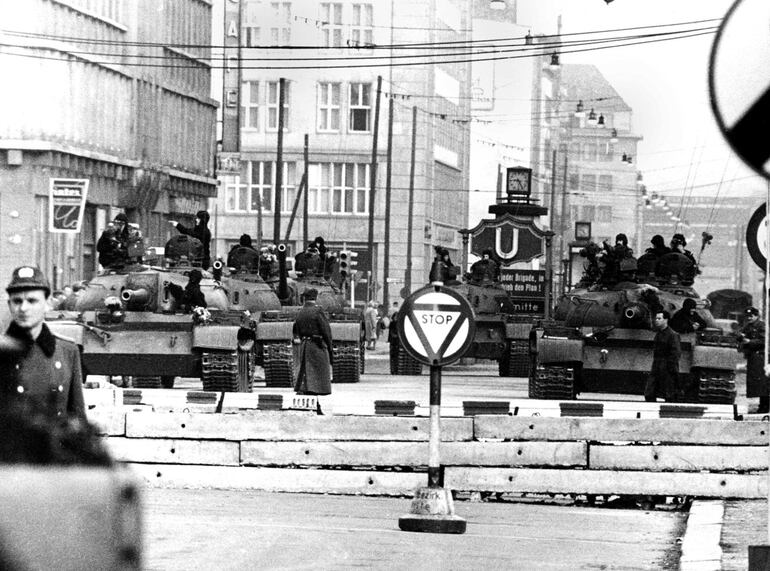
(278, 364)
(401, 363)
(716, 387)
(347, 362)
(516, 360)
(227, 371)
(552, 382)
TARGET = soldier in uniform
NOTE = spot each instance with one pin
(664, 376)
(201, 232)
(314, 355)
(243, 256)
(752, 344)
(485, 269)
(44, 376)
(113, 243)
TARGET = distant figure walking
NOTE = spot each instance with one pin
(370, 325)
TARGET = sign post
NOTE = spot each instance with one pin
(739, 88)
(436, 326)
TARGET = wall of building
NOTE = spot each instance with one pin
(140, 131)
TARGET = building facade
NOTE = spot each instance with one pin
(331, 97)
(584, 149)
(115, 93)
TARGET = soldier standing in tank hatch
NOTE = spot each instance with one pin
(752, 343)
(313, 354)
(44, 377)
(201, 232)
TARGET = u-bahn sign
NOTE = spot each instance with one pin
(739, 81)
(436, 325)
(512, 239)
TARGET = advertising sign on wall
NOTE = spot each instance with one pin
(66, 203)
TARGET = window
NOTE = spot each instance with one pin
(360, 107)
(605, 183)
(331, 20)
(257, 183)
(250, 105)
(250, 36)
(328, 106)
(362, 25)
(604, 213)
(339, 188)
(574, 181)
(280, 31)
(588, 182)
(272, 106)
(589, 212)
(590, 151)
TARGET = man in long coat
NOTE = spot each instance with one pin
(752, 344)
(43, 376)
(664, 377)
(314, 356)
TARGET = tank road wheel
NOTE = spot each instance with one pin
(552, 382)
(515, 362)
(401, 363)
(226, 371)
(347, 363)
(278, 364)
(715, 387)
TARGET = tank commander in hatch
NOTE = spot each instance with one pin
(484, 270)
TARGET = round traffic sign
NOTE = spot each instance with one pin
(739, 81)
(436, 325)
(756, 236)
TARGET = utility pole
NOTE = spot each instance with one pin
(386, 253)
(410, 211)
(306, 158)
(373, 183)
(551, 223)
(279, 167)
(563, 219)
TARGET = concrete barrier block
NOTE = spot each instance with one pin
(167, 451)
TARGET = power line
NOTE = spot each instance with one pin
(80, 39)
(433, 61)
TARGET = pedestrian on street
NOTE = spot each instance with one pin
(370, 325)
(752, 343)
(201, 232)
(44, 376)
(664, 376)
(313, 355)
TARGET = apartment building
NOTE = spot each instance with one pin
(340, 62)
(113, 93)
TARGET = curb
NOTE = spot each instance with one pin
(701, 549)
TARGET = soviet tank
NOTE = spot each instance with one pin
(130, 321)
(274, 329)
(600, 338)
(502, 335)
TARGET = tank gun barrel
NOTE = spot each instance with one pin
(634, 315)
(283, 283)
(135, 298)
